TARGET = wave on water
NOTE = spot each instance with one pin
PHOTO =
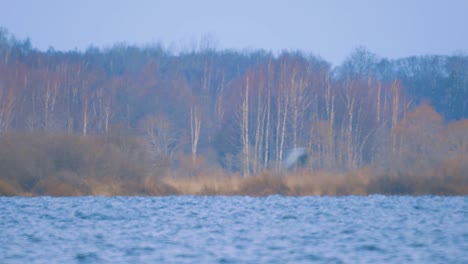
(235, 229)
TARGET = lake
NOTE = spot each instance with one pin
(219, 229)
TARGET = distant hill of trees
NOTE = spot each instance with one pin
(240, 112)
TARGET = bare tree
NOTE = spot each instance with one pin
(161, 136)
(7, 102)
(245, 129)
(195, 126)
(50, 96)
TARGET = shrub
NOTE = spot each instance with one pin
(6, 189)
(263, 184)
(60, 164)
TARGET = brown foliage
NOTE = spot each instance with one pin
(70, 165)
(6, 189)
(65, 164)
(59, 186)
(263, 184)
(212, 184)
(323, 183)
(448, 179)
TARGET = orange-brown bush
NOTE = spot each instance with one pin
(64, 164)
(60, 185)
(447, 178)
(263, 184)
(6, 189)
(70, 165)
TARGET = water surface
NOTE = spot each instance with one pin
(275, 229)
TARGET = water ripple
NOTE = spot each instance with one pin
(275, 229)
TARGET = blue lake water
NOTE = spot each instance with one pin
(275, 229)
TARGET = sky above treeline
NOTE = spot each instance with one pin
(327, 28)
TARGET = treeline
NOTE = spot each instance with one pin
(210, 112)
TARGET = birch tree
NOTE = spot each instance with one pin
(195, 126)
(245, 129)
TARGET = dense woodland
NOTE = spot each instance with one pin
(138, 113)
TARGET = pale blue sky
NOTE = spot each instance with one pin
(329, 28)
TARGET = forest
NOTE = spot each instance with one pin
(145, 120)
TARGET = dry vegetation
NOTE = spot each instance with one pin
(70, 165)
(131, 120)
